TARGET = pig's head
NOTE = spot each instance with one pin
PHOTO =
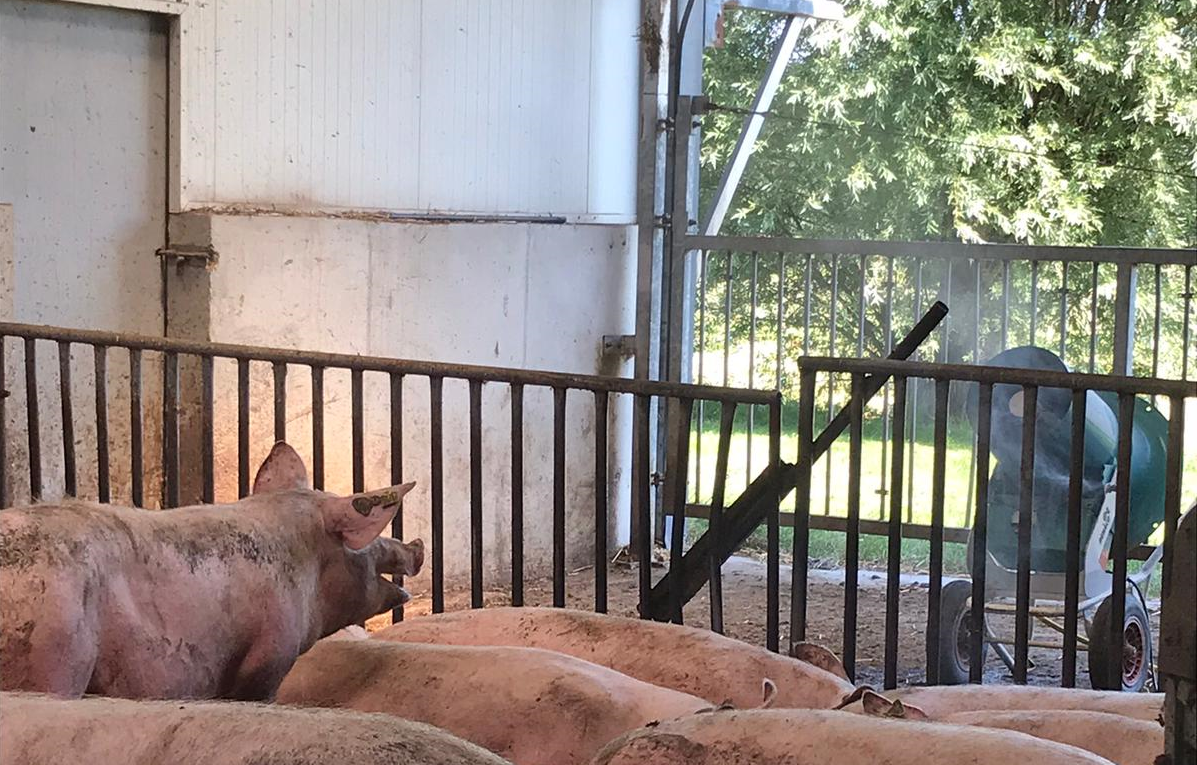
(345, 533)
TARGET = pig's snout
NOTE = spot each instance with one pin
(400, 558)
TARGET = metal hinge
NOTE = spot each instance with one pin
(194, 255)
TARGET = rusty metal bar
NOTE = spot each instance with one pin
(727, 418)
(1184, 333)
(1072, 543)
(1173, 477)
(207, 436)
(476, 494)
(436, 390)
(517, 494)
(852, 540)
(396, 407)
(893, 559)
(939, 476)
(69, 471)
(980, 536)
(318, 428)
(136, 470)
(280, 401)
(33, 426)
(170, 430)
(1026, 501)
(559, 411)
(384, 365)
(600, 501)
(1118, 546)
(242, 427)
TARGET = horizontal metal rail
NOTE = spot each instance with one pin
(1003, 376)
(942, 250)
(352, 362)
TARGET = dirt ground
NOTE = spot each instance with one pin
(744, 616)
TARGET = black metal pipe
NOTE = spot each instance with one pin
(476, 541)
(1072, 541)
(436, 389)
(1122, 494)
(1026, 503)
(33, 427)
(280, 401)
(893, 558)
(318, 428)
(600, 502)
(935, 567)
(242, 427)
(207, 437)
(357, 429)
(70, 473)
(136, 471)
(852, 539)
(727, 420)
(980, 536)
(802, 508)
(559, 410)
(517, 494)
(170, 430)
(641, 490)
(773, 534)
(677, 474)
(396, 407)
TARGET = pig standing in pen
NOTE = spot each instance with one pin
(199, 602)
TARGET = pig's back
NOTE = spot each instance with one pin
(940, 701)
(533, 706)
(774, 736)
(39, 730)
(686, 659)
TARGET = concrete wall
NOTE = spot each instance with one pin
(83, 162)
(520, 295)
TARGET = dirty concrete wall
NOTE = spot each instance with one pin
(83, 133)
(501, 294)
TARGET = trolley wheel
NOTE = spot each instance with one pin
(955, 639)
(1136, 647)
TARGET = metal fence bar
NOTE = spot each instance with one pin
(436, 396)
(675, 498)
(559, 497)
(70, 474)
(32, 425)
(935, 567)
(1093, 317)
(1072, 552)
(727, 417)
(802, 504)
(357, 429)
(601, 478)
(1022, 626)
(641, 491)
(170, 430)
(517, 495)
(852, 540)
(242, 427)
(1184, 334)
(1173, 477)
(207, 434)
(318, 428)
(1126, 413)
(280, 401)
(4, 493)
(136, 485)
(1063, 305)
(1034, 303)
(976, 648)
(773, 534)
(476, 541)
(893, 558)
(831, 351)
(396, 409)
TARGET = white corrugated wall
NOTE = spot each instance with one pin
(472, 106)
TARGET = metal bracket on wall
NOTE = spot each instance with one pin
(204, 255)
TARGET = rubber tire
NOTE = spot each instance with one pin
(955, 601)
(1099, 630)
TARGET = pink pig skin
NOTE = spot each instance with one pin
(199, 602)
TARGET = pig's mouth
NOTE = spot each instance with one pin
(393, 594)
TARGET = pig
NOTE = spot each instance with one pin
(530, 706)
(44, 730)
(686, 659)
(199, 602)
(788, 736)
(1121, 740)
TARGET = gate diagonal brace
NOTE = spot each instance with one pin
(752, 507)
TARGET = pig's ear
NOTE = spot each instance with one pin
(813, 653)
(282, 470)
(359, 518)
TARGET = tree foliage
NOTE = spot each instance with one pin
(1039, 121)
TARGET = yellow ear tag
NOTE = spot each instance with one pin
(365, 505)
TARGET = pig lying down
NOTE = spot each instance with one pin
(198, 602)
(686, 659)
(41, 730)
(821, 737)
(530, 706)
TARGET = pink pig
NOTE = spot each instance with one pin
(199, 602)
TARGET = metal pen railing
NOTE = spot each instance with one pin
(185, 412)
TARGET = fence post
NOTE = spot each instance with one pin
(1124, 319)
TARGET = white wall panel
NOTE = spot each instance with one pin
(501, 106)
